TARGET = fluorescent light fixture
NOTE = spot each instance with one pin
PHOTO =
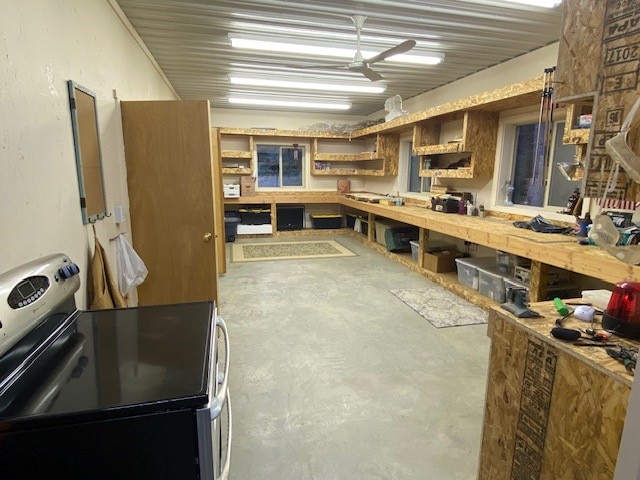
(289, 103)
(329, 33)
(538, 3)
(333, 87)
(348, 53)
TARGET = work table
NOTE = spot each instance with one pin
(547, 249)
(553, 410)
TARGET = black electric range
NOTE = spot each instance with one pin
(127, 393)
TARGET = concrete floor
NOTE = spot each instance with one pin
(333, 377)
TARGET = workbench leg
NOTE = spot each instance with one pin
(372, 228)
(423, 241)
(274, 218)
(538, 281)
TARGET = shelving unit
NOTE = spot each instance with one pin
(237, 154)
(573, 134)
(379, 158)
(476, 142)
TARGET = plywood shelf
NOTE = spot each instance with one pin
(455, 147)
(447, 173)
(347, 157)
(236, 171)
(236, 154)
(344, 171)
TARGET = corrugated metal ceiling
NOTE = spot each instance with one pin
(190, 41)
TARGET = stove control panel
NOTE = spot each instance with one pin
(32, 292)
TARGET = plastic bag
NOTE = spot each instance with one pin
(131, 269)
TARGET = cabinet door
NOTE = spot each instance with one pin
(169, 175)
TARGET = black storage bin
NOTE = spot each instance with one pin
(255, 216)
(326, 220)
(231, 228)
(290, 217)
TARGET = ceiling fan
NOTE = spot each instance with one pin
(361, 65)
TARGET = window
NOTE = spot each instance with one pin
(414, 182)
(536, 184)
(280, 165)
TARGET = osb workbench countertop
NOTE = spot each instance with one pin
(552, 411)
(595, 357)
(553, 249)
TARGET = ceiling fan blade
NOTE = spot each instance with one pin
(400, 48)
(318, 67)
(371, 74)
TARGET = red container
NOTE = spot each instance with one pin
(622, 315)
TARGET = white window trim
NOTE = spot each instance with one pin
(306, 166)
(504, 165)
(404, 167)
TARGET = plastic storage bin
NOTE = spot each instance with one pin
(414, 250)
(491, 284)
(255, 216)
(326, 220)
(231, 228)
(468, 270)
(395, 236)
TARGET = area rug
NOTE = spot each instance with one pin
(442, 308)
(254, 252)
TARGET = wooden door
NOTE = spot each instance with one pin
(169, 175)
(218, 201)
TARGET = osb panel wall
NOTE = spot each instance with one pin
(389, 149)
(580, 48)
(480, 132)
(548, 415)
(619, 64)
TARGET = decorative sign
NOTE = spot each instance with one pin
(619, 70)
(535, 401)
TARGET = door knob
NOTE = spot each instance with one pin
(207, 237)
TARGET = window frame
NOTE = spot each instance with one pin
(504, 165)
(304, 165)
(406, 148)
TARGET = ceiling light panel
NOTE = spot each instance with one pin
(538, 3)
(289, 103)
(237, 42)
(333, 87)
(298, 32)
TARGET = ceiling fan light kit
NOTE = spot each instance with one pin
(361, 62)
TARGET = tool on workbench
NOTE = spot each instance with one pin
(561, 308)
(517, 305)
(570, 334)
(626, 356)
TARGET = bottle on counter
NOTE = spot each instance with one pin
(481, 212)
(469, 208)
(462, 208)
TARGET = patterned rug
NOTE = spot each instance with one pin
(254, 252)
(441, 307)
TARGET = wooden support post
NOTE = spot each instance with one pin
(539, 280)
(274, 218)
(423, 240)
(372, 229)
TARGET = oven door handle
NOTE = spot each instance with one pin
(218, 401)
(224, 473)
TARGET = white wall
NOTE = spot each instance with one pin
(239, 118)
(44, 44)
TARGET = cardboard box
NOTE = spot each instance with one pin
(344, 186)
(441, 262)
(247, 186)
